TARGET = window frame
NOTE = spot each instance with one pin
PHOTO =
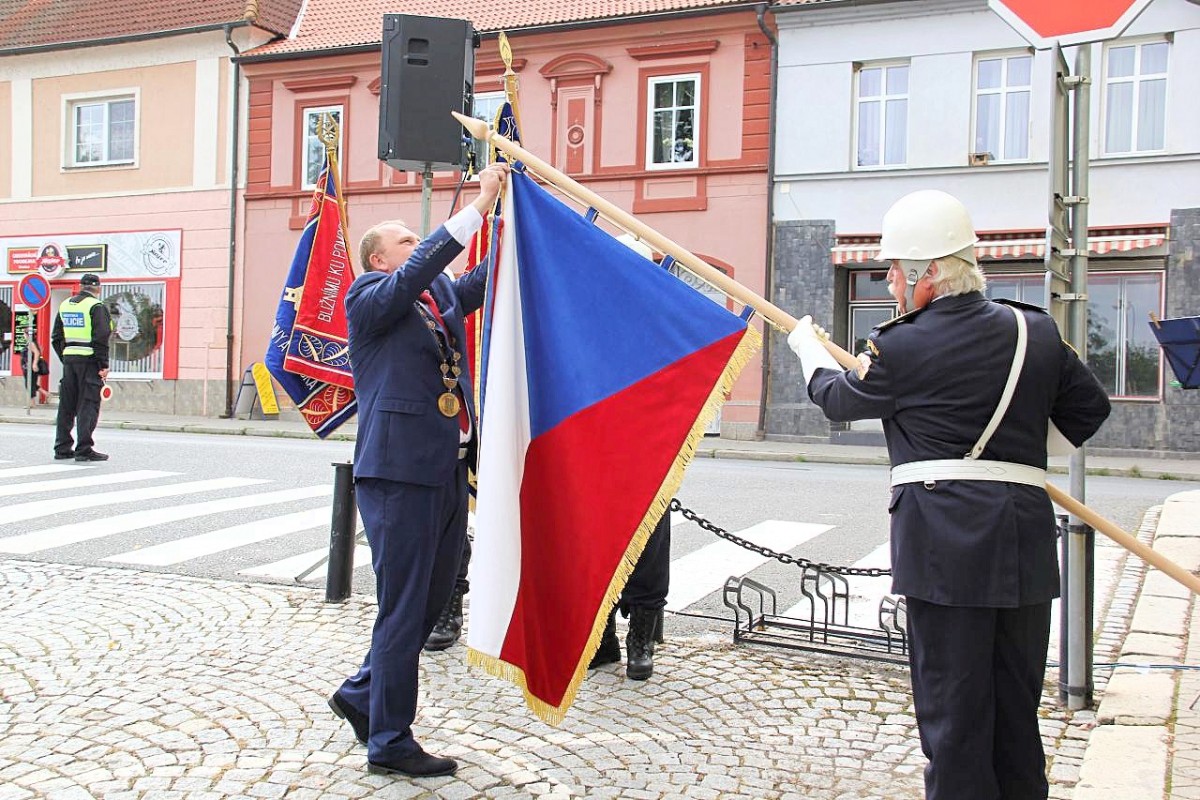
(109, 290)
(305, 113)
(74, 101)
(882, 99)
(1137, 79)
(653, 81)
(483, 151)
(1004, 91)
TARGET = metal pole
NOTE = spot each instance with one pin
(1080, 539)
(30, 361)
(341, 534)
(426, 198)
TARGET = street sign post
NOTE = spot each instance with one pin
(34, 291)
(1055, 25)
(1068, 22)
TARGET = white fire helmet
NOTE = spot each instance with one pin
(922, 226)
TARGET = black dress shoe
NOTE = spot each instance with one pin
(359, 722)
(91, 455)
(63, 456)
(419, 765)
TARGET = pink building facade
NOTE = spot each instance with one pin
(588, 95)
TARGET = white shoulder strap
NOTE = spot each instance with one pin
(1010, 387)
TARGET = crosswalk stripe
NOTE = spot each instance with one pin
(46, 508)
(865, 593)
(103, 479)
(95, 529)
(289, 568)
(40, 469)
(206, 544)
(701, 572)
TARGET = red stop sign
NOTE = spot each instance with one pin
(1068, 22)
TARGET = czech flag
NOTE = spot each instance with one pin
(601, 371)
(309, 354)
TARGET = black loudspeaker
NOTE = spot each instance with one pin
(428, 71)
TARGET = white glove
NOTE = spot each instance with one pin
(807, 346)
(1057, 444)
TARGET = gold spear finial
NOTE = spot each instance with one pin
(327, 131)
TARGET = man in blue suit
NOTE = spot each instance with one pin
(971, 392)
(416, 437)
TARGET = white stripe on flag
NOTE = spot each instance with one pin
(495, 572)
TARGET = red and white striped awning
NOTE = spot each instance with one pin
(865, 249)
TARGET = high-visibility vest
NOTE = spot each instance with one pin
(76, 318)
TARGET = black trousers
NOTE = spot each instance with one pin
(78, 405)
(977, 682)
(651, 577)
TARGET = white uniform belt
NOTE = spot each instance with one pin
(966, 469)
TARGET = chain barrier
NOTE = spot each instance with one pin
(802, 563)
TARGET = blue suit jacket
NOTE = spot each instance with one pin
(396, 362)
(935, 379)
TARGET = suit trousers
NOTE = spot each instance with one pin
(651, 577)
(416, 535)
(78, 405)
(977, 678)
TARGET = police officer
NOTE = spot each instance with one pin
(969, 391)
(80, 337)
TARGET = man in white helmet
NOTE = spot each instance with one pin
(968, 391)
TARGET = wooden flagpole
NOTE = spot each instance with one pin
(781, 320)
(770, 312)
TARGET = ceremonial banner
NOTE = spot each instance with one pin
(308, 354)
(601, 371)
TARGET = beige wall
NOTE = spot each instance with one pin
(6, 139)
(165, 124)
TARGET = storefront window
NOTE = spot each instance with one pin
(1029, 289)
(136, 346)
(6, 330)
(1122, 351)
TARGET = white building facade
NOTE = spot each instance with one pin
(878, 99)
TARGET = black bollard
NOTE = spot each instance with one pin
(342, 534)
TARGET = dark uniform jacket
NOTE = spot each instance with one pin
(396, 361)
(935, 379)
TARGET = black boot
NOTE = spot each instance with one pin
(658, 627)
(639, 643)
(609, 651)
(449, 623)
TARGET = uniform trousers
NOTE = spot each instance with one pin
(416, 535)
(78, 404)
(977, 682)
(650, 580)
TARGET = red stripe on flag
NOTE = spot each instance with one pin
(594, 476)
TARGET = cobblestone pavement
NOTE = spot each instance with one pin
(123, 684)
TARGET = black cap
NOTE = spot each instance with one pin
(89, 279)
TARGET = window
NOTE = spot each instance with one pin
(674, 108)
(135, 349)
(1135, 98)
(882, 112)
(314, 148)
(486, 106)
(1002, 91)
(103, 131)
(1122, 350)
(6, 330)
(1022, 288)
(870, 304)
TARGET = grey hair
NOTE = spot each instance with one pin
(957, 276)
(368, 245)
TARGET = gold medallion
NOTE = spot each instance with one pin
(448, 404)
